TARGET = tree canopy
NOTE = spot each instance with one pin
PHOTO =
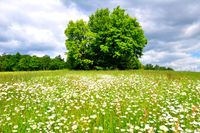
(109, 40)
(156, 67)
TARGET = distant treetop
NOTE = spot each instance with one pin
(156, 67)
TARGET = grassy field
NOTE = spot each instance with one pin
(99, 101)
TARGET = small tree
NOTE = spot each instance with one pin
(45, 62)
(24, 63)
(35, 63)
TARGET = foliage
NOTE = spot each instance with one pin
(77, 44)
(156, 67)
(20, 62)
(110, 40)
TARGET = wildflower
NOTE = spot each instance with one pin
(74, 127)
(164, 128)
(128, 109)
(182, 116)
(175, 119)
(33, 127)
(188, 130)
(28, 129)
(146, 127)
(150, 130)
(14, 131)
(122, 130)
(57, 127)
(15, 126)
(183, 94)
(60, 124)
(93, 116)
(100, 128)
(8, 118)
(130, 130)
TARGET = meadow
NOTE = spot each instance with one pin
(99, 101)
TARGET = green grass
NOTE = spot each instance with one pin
(99, 101)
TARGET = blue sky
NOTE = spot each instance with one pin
(37, 27)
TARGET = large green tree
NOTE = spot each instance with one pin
(110, 40)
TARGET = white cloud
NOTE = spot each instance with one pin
(157, 56)
(31, 33)
(11, 44)
(178, 60)
(29, 24)
(192, 29)
(147, 19)
(188, 63)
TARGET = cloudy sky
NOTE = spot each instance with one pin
(37, 27)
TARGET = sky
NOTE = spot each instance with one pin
(36, 27)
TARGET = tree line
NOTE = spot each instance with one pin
(18, 62)
(156, 67)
